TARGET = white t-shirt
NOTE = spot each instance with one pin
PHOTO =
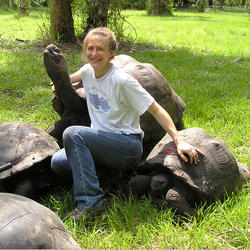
(115, 101)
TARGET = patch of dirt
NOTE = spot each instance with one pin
(25, 45)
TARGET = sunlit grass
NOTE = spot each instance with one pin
(129, 223)
(224, 34)
(197, 57)
(14, 26)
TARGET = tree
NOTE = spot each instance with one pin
(61, 20)
(97, 13)
(94, 13)
(11, 3)
(201, 4)
(221, 2)
(160, 7)
(23, 6)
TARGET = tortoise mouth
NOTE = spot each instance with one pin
(52, 54)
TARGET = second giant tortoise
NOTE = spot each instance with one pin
(71, 104)
(26, 224)
(167, 177)
(25, 153)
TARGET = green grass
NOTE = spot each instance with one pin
(225, 34)
(14, 26)
(196, 53)
(130, 223)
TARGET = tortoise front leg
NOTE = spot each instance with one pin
(176, 199)
(139, 185)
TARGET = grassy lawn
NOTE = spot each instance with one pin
(206, 60)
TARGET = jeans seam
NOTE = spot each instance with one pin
(81, 176)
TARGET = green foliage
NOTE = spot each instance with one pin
(234, 3)
(202, 4)
(134, 4)
(80, 10)
(3, 3)
(116, 20)
(159, 7)
(40, 3)
(23, 6)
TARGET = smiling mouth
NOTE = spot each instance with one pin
(94, 59)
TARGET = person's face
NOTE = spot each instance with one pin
(99, 55)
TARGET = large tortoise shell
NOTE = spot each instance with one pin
(23, 145)
(216, 173)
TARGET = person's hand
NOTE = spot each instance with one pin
(53, 89)
(193, 152)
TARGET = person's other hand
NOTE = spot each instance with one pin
(54, 90)
(193, 152)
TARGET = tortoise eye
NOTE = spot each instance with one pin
(216, 144)
(57, 51)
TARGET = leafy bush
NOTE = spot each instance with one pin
(160, 7)
(136, 4)
(202, 4)
(23, 6)
(116, 21)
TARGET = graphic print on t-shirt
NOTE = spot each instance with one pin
(98, 100)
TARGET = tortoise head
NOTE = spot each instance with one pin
(160, 182)
(54, 60)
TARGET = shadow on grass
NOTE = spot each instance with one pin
(198, 78)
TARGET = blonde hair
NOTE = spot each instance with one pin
(105, 33)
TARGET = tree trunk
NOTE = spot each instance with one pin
(221, 4)
(185, 3)
(201, 5)
(23, 7)
(97, 14)
(61, 19)
(11, 3)
(157, 7)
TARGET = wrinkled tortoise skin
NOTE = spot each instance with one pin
(26, 224)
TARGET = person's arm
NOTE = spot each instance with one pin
(164, 119)
(76, 77)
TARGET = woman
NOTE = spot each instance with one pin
(115, 103)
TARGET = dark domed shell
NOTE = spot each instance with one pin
(23, 145)
(215, 175)
(26, 224)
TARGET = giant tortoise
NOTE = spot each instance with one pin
(26, 224)
(25, 153)
(71, 104)
(166, 177)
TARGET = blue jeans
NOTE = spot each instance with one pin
(82, 147)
